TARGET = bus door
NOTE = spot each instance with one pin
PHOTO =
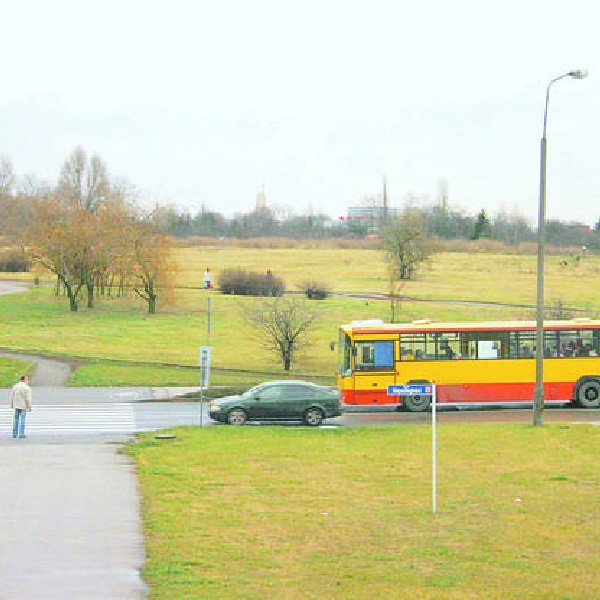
(373, 371)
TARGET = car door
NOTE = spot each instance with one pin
(266, 403)
(297, 398)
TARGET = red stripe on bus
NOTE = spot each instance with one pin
(472, 392)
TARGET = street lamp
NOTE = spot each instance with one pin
(538, 394)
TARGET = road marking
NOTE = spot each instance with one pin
(75, 418)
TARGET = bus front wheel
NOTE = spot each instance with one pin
(418, 403)
(588, 393)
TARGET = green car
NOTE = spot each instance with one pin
(279, 401)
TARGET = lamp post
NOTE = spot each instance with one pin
(538, 394)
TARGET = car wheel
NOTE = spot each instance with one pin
(588, 393)
(418, 403)
(237, 416)
(313, 417)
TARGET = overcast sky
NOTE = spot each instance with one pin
(202, 102)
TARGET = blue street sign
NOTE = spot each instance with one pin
(409, 390)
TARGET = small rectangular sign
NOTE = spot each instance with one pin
(409, 390)
(205, 366)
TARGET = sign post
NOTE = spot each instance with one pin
(433, 450)
(204, 376)
(419, 390)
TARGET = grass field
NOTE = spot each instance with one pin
(11, 370)
(290, 512)
(119, 331)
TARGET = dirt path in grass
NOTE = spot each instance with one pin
(47, 372)
(12, 287)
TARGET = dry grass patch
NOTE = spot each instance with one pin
(345, 513)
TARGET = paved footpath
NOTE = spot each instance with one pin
(69, 520)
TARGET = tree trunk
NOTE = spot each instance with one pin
(287, 359)
(152, 304)
(90, 295)
(71, 296)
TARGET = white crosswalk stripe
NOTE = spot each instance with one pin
(75, 418)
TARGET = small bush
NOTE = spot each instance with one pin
(250, 283)
(315, 290)
(12, 261)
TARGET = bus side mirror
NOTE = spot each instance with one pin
(354, 351)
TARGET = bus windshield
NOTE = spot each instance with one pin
(345, 354)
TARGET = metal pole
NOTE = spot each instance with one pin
(538, 393)
(201, 366)
(201, 400)
(208, 323)
(433, 450)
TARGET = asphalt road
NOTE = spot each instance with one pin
(448, 416)
(119, 420)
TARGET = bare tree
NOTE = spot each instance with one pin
(31, 186)
(283, 324)
(6, 182)
(84, 183)
(406, 245)
(7, 176)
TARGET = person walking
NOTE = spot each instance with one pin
(20, 400)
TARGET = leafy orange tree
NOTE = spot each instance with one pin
(152, 267)
(57, 238)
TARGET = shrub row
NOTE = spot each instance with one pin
(315, 290)
(250, 283)
(13, 262)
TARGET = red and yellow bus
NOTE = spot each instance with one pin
(470, 363)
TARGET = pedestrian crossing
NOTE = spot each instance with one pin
(75, 418)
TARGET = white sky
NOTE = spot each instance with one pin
(202, 102)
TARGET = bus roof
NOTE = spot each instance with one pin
(425, 325)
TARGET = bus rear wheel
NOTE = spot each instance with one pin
(418, 403)
(588, 393)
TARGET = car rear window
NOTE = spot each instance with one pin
(299, 391)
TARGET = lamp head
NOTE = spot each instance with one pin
(578, 74)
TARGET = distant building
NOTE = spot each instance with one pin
(375, 211)
(261, 201)
(375, 216)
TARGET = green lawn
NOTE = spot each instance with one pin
(119, 331)
(255, 512)
(37, 322)
(11, 370)
(140, 375)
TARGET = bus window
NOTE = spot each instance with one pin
(374, 356)
(447, 346)
(486, 345)
(412, 347)
(579, 343)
